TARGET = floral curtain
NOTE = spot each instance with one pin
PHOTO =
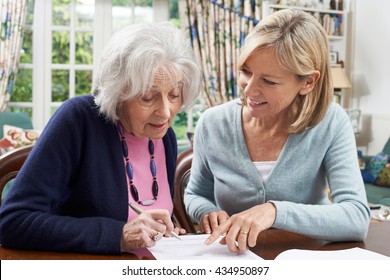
(217, 30)
(12, 15)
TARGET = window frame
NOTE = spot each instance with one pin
(42, 66)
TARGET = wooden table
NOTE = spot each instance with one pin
(270, 244)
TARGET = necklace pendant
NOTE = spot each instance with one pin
(147, 202)
(134, 192)
(130, 171)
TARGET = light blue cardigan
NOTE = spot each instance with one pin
(224, 177)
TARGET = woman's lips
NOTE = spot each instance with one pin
(159, 126)
(256, 103)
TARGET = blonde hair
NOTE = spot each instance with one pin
(301, 46)
(131, 60)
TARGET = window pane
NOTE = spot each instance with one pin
(26, 51)
(60, 48)
(84, 48)
(174, 12)
(180, 125)
(59, 85)
(61, 12)
(53, 110)
(85, 10)
(22, 90)
(83, 82)
(123, 13)
(30, 12)
(182, 121)
(144, 11)
(20, 109)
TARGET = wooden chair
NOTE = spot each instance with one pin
(11, 163)
(182, 175)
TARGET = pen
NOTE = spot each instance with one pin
(139, 211)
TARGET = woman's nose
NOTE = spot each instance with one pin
(248, 85)
(163, 109)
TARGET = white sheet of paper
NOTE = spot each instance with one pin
(192, 247)
(345, 254)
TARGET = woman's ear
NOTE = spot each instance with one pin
(310, 82)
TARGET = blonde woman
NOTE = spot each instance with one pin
(267, 159)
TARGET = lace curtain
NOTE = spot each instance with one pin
(12, 15)
(217, 30)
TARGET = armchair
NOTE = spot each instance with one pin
(182, 175)
(378, 194)
(19, 119)
(10, 164)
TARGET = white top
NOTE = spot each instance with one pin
(264, 168)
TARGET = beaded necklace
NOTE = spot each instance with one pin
(130, 173)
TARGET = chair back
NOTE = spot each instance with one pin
(10, 164)
(182, 175)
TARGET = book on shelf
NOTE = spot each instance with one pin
(337, 97)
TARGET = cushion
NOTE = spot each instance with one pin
(18, 119)
(377, 194)
(374, 167)
(386, 148)
(383, 178)
(15, 137)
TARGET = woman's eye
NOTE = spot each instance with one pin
(147, 99)
(244, 71)
(175, 96)
(176, 93)
(268, 82)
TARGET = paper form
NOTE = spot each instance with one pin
(192, 247)
(345, 254)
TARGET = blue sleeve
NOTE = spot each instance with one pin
(67, 196)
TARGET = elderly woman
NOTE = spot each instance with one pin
(272, 155)
(102, 152)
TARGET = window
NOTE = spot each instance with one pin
(63, 40)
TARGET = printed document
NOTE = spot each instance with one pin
(192, 247)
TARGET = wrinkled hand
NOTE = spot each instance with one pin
(209, 222)
(178, 231)
(140, 232)
(242, 229)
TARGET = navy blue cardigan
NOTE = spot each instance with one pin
(71, 194)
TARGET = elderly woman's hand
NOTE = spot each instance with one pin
(146, 229)
(209, 222)
(242, 229)
(178, 231)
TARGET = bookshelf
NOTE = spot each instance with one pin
(333, 16)
(333, 21)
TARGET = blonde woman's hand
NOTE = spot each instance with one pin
(241, 230)
(210, 221)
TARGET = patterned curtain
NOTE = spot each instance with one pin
(13, 16)
(218, 29)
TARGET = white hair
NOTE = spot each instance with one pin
(130, 60)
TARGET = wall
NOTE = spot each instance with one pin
(370, 71)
